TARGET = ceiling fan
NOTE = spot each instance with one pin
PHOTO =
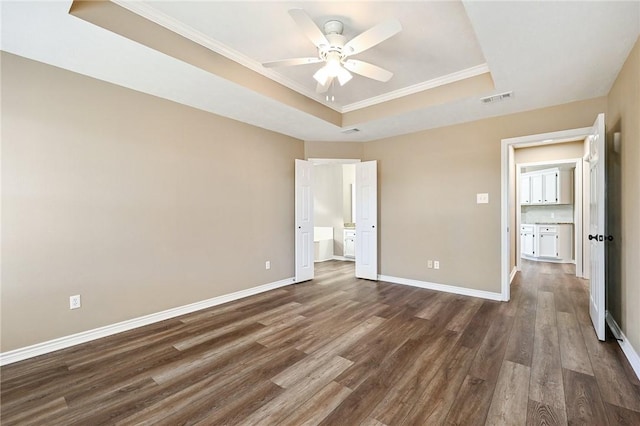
(335, 51)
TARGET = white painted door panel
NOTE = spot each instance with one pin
(367, 220)
(304, 221)
(597, 230)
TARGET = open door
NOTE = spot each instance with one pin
(367, 220)
(597, 232)
(304, 221)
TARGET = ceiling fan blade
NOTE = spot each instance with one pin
(323, 88)
(290, 62)
(308, 27)
(372, 36)
(368, 70)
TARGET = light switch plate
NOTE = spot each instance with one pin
(482, 198)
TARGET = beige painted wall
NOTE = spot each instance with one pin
(341, 150)
(560, 151)
(624, 117)
(136, 203)
(427, 193)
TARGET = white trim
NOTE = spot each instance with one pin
(514, 271)
(627, 349)
(416, 88)
(506, 145)
(97, 333)
(631, 354)
(442, 287)
(319, 161)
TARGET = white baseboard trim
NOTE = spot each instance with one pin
(443, 287)
(514, 271)
(97, 333)
(348, 259)
(627, 349)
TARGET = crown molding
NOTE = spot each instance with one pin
(425, 85)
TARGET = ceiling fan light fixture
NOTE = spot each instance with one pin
(333, 65)
(322, 76)
(343, 76)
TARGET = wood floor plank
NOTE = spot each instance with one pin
(298, 371)
(488, 360)
(510, 398)
(479, 325)
(302, 390)
(472, 402)
(520, 346)
(546, 386)
(621, 416)
(542, 414)
(405, 393)
(583, 401)
(319, 406)
(358, 406)
(573, 351)
(433, 405)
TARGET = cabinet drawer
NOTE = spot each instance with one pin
(548, 229)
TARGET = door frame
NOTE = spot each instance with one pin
(509, 202)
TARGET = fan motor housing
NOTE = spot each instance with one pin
(333, 33)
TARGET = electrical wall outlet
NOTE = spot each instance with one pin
(430, 264)
(436, 264)
(267, 264)
(74, 302)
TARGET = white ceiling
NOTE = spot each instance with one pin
(547, 53)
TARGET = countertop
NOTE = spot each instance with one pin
(548, 223)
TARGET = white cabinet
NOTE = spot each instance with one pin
(350, 243)
(549, 186)
(536, 188)
(525, 189)
(527, 241)
(547, 242)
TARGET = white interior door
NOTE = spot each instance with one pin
(304, 220)
(367, 220)
(597, 232)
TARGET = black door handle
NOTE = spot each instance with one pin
(601, 237)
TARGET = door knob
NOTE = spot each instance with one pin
(593, 237)
(609, 237)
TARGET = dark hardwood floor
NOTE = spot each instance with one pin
(344, 351)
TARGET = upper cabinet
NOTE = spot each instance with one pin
(549, 186)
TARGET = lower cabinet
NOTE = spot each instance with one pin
(547, 242)
(527, 240)
(350, 243)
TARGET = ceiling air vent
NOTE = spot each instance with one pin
(349, 131)
(496, 98)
